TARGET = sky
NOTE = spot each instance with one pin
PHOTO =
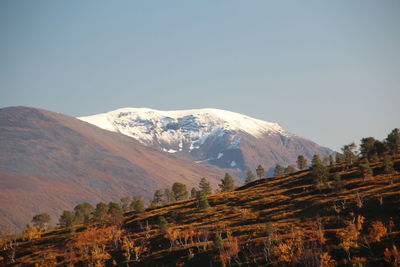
(328, 71)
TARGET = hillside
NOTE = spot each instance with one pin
(279, 221)
(212, 136)
(50, 162)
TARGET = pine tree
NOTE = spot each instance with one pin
(67, 219)
(202, 200)
(330, 159)
(388, 165)
(339, 158)
(365, 169)
(205, 186)
(289, 169)
(115, 205)
(318, 170)
(279, 170)
(368, 148)
(301, 162)
(337, 182)
(115, 214)
(193, 193)
(162, 224)
(393, 142)
(125, 203)
(227, 184)
(249, 177)
(179, 191)
(137, 206)
(158, 195)
(41, 219)
(169, 195)
(100, 212)
(349, 154)
(260, 171)
(83, 212)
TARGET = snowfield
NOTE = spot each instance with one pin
(181, 129)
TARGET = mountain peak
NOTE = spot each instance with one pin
(213, 119)
(222, 138)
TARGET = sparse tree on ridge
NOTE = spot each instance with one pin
(227, 184)
(158, 195)
(100, 212)
(193, 193)
(83, 212)
(249, 177)
(260, 172)
(115, 213)
(202, 200)
(114, 205)
(137, 206)
(331, 160)
(179, 191)
(393, 142)
(169, 195)
(339, 158)
(162, 224)
(365, 169)
(388, 165)
(67, 219)
(279, 170)
(289, 169)
(301, 162)
(125, 203)
(205, 186)
(318, 170)
(41, 219)
(371, 149)
(349, 153)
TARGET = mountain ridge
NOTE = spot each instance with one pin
(222, 138)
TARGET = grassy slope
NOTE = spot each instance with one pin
(289, 204)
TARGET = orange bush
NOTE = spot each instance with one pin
(31, 232)
(349, 236)
(376, 231)
(392, 256)
(325, 260)
(89, 246)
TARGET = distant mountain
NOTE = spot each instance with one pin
(50, 162)
(218, 137)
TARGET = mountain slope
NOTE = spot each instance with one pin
(222, 138)
(50, 162)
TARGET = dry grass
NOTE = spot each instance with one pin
(289, 210)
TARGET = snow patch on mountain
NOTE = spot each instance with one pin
(181, 129)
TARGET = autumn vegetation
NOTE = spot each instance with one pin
(342, 210)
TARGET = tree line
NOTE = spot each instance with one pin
(370, 150)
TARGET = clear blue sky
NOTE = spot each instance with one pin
(325, 70)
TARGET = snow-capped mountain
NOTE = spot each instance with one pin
(218, 137)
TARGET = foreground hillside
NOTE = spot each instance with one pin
(50, 162)
(351, 220)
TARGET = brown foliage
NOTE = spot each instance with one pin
(350, 234)
(230, 250)
(376, 231)
(89, 246)
(129, 246)
(31, 232)
(392, 256)
(325, 260)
